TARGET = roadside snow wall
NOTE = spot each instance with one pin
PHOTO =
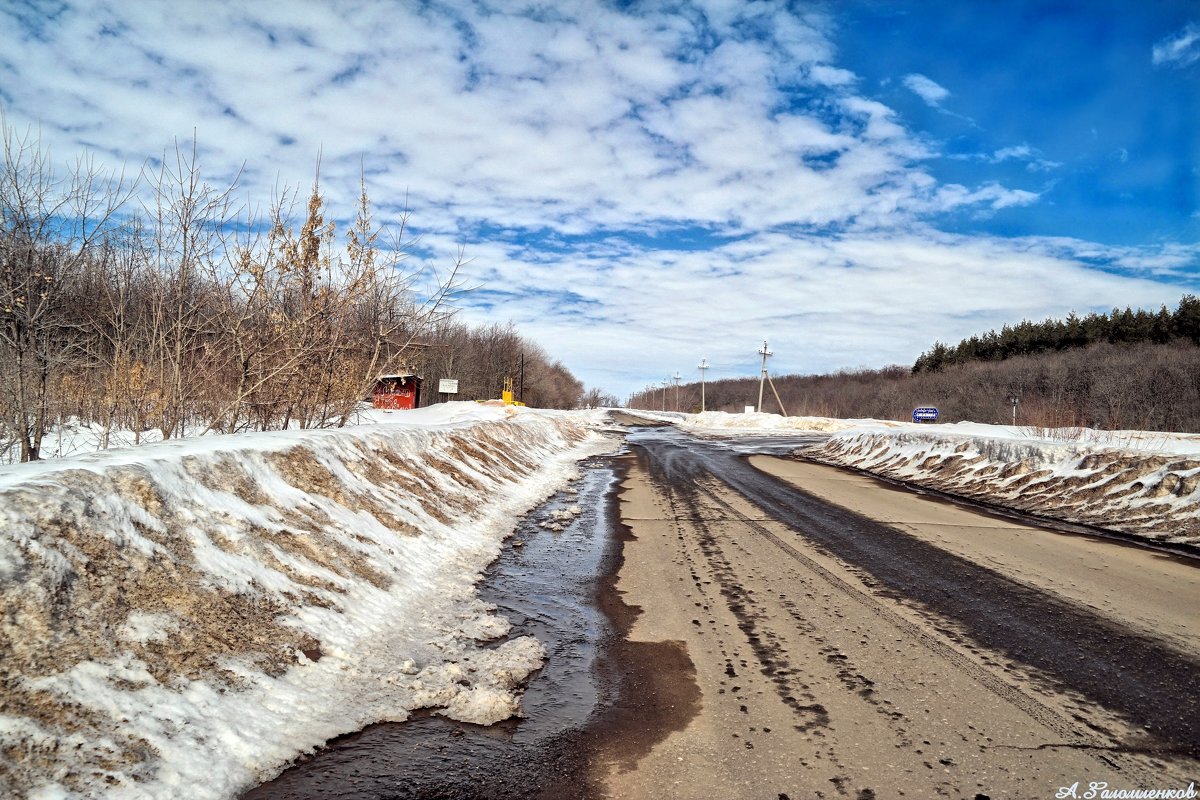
(182, 620)
(766, 423)
(1146, 494)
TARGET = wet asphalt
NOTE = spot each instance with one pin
(559, 588)
(1069, 646)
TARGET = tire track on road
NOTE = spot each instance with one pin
(937, 647)
(1087, 659)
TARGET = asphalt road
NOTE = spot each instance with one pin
(838, 655)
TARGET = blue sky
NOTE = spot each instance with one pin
(1109, 138)
(640, 185)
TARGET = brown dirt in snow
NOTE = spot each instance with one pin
(100, 549)
(54, 627)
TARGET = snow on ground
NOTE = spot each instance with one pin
(765, 423)
(751, 423)
(184, 618)
(1141, 483)
(74, 437)
(1145, 483)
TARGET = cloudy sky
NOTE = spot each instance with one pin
(640, 185)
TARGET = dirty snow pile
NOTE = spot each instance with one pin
(1141, 483)
(183, 619)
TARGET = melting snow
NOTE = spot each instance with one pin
(1139, 483)
(1145, 483)
(183, 619)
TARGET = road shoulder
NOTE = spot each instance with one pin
(1144, 590)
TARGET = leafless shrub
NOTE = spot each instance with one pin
(193, 314)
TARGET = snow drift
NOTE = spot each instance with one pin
(765, 423)
(1145, 485)
(716, 422)
(183, 619)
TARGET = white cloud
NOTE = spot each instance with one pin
(1180, 49)
(831, 76)
(1022, 151)
(555, 145)
(1033, 158)
(953, 196)
(928, 90)
(586, 117)
(824, 302)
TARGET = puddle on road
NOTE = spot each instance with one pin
(545, 587)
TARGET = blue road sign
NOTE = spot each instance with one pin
(925, 414)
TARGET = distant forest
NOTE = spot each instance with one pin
(1052, 335)
(1125, 370)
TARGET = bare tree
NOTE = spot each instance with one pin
(189, 222)
(196, 313)
(49, 224)
(309, 325)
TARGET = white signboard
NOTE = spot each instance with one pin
(448, 386)
(749, 409)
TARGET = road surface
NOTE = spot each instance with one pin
(730, 625)
(831, 636)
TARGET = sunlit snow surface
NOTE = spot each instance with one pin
(1144, 483)
(183, 619)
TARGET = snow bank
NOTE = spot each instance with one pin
(1137, 482)
(183, 619)
(1141, 483)
(764, 423)
(755, 422)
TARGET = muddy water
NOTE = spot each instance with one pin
(546, 586)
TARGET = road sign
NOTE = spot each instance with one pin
(925, 414)
(448, 386)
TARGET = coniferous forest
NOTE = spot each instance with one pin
(1053, 335)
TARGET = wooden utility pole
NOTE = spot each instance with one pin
(703, 365)
(764, 352)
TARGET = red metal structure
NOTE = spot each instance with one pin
(401, 391)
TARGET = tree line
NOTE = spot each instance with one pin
(1052, 335)
(480, 358)
(159, 303)
(1113, 386)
